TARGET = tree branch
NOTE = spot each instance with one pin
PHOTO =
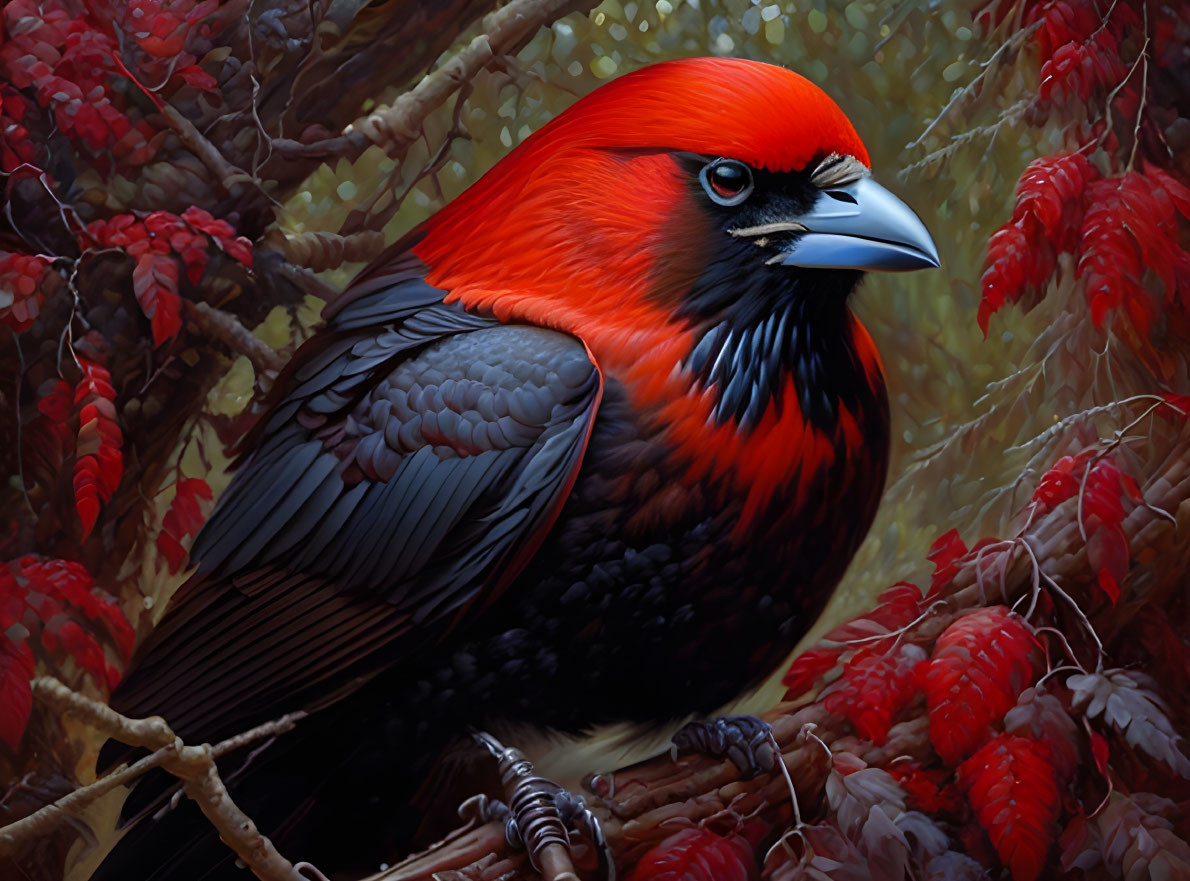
(193, 765)
(226, 327)
(397, 126)
(319, 251)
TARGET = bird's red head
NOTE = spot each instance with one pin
(685, 220)
(609, 212)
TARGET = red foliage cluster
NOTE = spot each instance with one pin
(21, 289)
(875, 687)
(1118, 227)
(16, 147)
(90, 79)
(978, 668)
(49, 611)
(1008, 752)
(1101, 488)
(1131, 226)
(1023, 254)
(162, 31)
(896, 607)
(68, 56)
(1117, 221)
(183, 518)
(67, 64)
(157, 243)
(1078, 56)
(98, 461)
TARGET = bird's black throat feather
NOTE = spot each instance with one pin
(759, 324)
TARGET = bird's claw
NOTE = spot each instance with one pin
(746, 740)
(539, 810)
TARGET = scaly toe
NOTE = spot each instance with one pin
(746, 740)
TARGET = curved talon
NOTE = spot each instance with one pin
(746, 740)
(481, 809)
(538, 810)
(574, 810)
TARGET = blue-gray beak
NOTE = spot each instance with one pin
(861, 226)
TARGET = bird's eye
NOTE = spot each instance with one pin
(726, 181)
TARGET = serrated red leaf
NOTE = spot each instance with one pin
(945, 553)
(99, 462)
(155, 283)
(874, 688)
(1011, 786)
(896, 607)
(697, 854)
(184, 518)
(980, 665)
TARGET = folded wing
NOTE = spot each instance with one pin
(414, 464)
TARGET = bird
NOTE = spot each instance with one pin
(594, 443)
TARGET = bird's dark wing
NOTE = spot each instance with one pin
(414, 463)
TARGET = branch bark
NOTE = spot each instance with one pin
(193, 765)
(397, 126)
(226, 327)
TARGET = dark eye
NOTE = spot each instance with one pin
(726, 181)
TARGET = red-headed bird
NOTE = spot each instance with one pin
(594, 443)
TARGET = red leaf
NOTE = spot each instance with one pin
(1108, 584)
(99, 464)
(16, 695)
(1061, 482)
(897, 607)
(874, 687)
(195, 76)
(155, 283)
(184, 518)
(945, 553)
(925, 788)
(980, 664)
(1100, 752)
(697, 855)
(1010, 784)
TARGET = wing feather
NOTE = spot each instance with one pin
(415, 463)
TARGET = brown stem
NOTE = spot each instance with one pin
(319, 251)
(226, 327)
(193, 765)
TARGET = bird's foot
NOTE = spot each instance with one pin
(746, 740)
(538, 815)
